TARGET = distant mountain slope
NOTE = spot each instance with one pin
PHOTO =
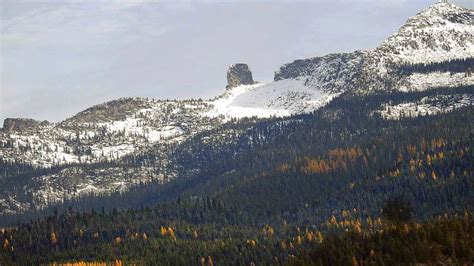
(441, 33)
(87, 153)
(291, 161)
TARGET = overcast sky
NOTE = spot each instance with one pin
(60, 57)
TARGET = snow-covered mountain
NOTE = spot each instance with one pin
(109, 132)
(441, 33)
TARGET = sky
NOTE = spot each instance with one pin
(60, 57)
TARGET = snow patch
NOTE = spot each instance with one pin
(426, 106)
(279, 98)
(421, 81)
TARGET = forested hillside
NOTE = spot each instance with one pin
(346, 144)
(280, 190)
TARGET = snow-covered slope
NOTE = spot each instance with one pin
(279, 98)
(114, 130)
(106, 132)
(441, 33)
(426, 106)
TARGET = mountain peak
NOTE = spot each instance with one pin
(443, 4)
(441, 32)
(442, 12)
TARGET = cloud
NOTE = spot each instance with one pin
(72, 23)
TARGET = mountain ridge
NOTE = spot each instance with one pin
(116, 130)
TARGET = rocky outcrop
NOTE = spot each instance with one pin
(109, 111)
(297, 68)
(331, 73)
(239, 74)
(21, 124)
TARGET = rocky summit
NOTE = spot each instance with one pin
(21, 124)
(239, 74)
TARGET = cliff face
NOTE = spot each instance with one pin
(21, 124)
(239, 74)
(330, 73)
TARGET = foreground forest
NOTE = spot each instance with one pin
(340, 186)
(145, 238)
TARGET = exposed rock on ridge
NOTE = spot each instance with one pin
(330, 73)
(239, 74)
(21, 124)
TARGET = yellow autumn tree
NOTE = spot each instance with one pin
(118, 240)
(53, 238)
(332, 221)
(283, 168)
(6, 243)
(319, 237)
(354, 262)
(170, 231)
(268, 231)
(299, 240)
(428, 159)
(357, 228)
(440, 155)
(164, 231)
(433, 175)
(251, 242)
(209, 261)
